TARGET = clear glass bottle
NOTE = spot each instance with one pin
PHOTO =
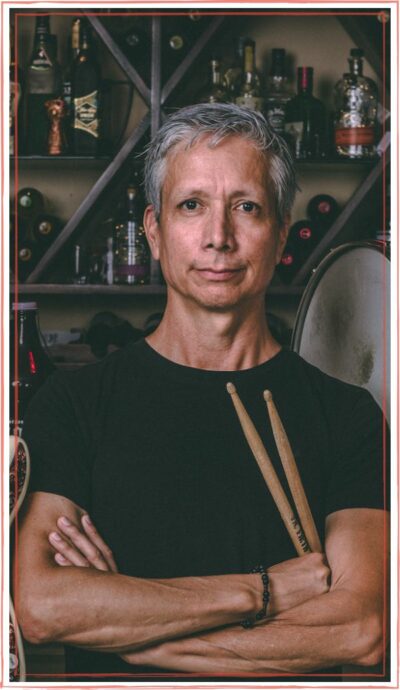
(29, 362)
(305, 126)
(233, 74)
(215, 91)
(356, 99)
(132, 256)
(278, 93)
(250, 88)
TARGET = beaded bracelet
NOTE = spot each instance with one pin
(249, 622)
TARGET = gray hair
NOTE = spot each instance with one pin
(220, 120)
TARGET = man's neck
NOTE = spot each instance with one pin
(214, 341)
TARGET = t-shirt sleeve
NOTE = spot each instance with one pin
(358, 476)
(56, 432)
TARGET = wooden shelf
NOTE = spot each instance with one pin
(137, 290)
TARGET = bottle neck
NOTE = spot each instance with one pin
(356, 66)
(215, 73)
(248, 59)
(305, 80)
(27, 329)
(132, 207)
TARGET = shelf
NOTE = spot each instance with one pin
(137, 290)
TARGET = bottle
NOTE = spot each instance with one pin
(72, 54)
(305, 124)
(43, 84)
(29, 362)
(86, 97)
(233, 74)
(289, 263)
(277, 92)
(30, 203)
(250, 88)
(19, 234)
(303, 237)
(135, 43)
(28, 256)
(132, 259)
(215, 91)
(15, 122)
(323, 209)
(45, 229)
(356, 99)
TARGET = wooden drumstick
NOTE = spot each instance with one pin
(292, 475)
(268, 472)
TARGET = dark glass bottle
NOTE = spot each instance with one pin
(306, 119)
(43, 84)
(304, 236)
(215, 91)
(132, 258)
(72, 54)
(289, 263)
(30, 203)
(45, 229)
(86, 98)
(278, 94)
(29, 362)
(16, 128)
(323, 209)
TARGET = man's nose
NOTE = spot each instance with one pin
(219, 231)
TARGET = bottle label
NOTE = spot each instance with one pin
(276, 117)
(86, 114)
(361, 136)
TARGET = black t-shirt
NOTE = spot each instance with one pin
(154, 451)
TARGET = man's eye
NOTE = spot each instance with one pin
(190, 204)
(248, 206)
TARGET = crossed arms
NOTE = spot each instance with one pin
(191, 623)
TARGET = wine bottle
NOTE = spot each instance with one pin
(305, 124)
(278, 94)
(289, 263)
(45, 229)
(215, 91)
(29, 362)
(30, 203)
(132, 258)
(250, 88)
(43, 84)
(323, 209)
(72, 54)
(86, 98)
(15, 98)
(304, 236)
(356, 99)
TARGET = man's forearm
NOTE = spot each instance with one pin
(332, 629)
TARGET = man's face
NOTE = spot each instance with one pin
(217, 239)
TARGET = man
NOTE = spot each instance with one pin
(147, 442)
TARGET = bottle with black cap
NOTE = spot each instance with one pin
(30, 364)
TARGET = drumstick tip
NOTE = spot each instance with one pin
(230, 388)
(267, 396)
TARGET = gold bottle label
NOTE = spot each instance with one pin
(86, 113)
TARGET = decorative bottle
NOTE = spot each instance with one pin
(356, 99)
(132, 258)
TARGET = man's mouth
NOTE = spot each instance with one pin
(219, 274)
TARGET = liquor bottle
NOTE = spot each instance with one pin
(45, 229)
(86, 98)
(233, 75)
(30, 203)
(215, 91)
(132, 259)
(250, 88)
(15, 98)
(43, 84)
(278, 94)
(323, 209)
(304, 236)
(30, 364)
(356, 99)
(72, 54)
(305, 124)
(289, 263)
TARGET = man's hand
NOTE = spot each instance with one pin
(291, 582)
(81, 546)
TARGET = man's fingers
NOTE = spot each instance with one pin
(65, 550)
(96, 539)
(83, 544)
(60, 560)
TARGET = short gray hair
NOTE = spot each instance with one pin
(220, 120)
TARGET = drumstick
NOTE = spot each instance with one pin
(292, 475)
(268, 472)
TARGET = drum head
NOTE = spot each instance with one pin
(342, 325)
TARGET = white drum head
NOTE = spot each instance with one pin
(342, 325)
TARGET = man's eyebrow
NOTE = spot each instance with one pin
(189, 192)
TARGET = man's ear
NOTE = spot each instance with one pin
(283, 232)
(152, 231)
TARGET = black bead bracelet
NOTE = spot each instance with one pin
(250, 622)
